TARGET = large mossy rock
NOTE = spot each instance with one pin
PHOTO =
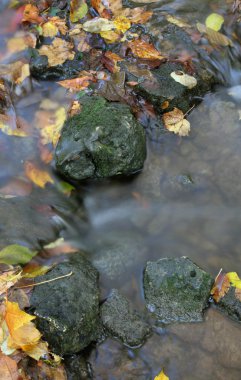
(104, 140)
(67, 309)
(176, 290)
(122, 322)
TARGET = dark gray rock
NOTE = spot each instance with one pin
(104, 140)
(39, 68)
(231, 305)
(77, 368)
(67, 310)
(122, 322)
(176, 290)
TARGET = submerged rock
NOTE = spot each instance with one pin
(231, 305)
(77, 368)
(122, 322)
(104, 140)
(67, 310)
(176, 290)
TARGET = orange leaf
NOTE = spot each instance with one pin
(8, 368)
(110, 61)
(37, 176)
(15, 317)
(31, 14)
(142, 49)
(25, 337)
(221, 286)
(79, 83)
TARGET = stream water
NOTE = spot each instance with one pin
(186, 201)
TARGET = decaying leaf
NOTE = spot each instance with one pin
(54, 26)
(142, 49)
(161, 376)
(98, 25)
(110, 61)
(50, 133)
(214, 37)
(8, 279)
(184, 79)
(31, 14)
(58, 52)
(8, 368)
(221, 286)
(78, 9)
(21, 41)
(174, 121)
(177, 21)
(37, 176)
(16, 254)
(214, 21)
(79, 83)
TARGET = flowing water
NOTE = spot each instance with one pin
(186, 201)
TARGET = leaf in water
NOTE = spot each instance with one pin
(122, 23)
(54, 26)
(110, 61)
(142, 49)
(98, 25)
(78, 10)
(111, 36)
(65, 187)
(221, 286)
(37, 176)
(17, 187)
(214, 37)
(177, 21)
(50, 133)
(21, 41)
(174, 121)
(79, 83)
(8, 279)
(161, 376)
(138, 16)
(58, 52)
(31, 14)
(16, 254)
(214, 21)
(184, 79)
(8, 368)
(114, 89)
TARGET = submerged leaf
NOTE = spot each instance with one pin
(58, 52)
(37, 176)
(16, 254)
(142, 49)
(214, 21)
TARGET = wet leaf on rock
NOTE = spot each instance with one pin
(174, 121)
(145, 50)
(110, 61)
(58, 52)
(16, 254)
(184, 79)
(177, 21)
(79, 83)
(222, 284)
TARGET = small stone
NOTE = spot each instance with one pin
(104, 140)
(176, 290)
(122, 322)
(67, 309)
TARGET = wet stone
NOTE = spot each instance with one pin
(67, 310)
(176, 290)
(77, 368)
(230, 305)
(104, 140)
(122, 322)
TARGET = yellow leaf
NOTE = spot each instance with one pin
(177, 21)
(21, 41)
(142, 49)
(15, 317)
(111, 36)
(214, 21)
(25, 73)
(161, 376)
(25, 337)
(58, 52)
(53, 26)
(78, 9)
(37, 176)
(122, 23)
(234, 279)
(174, 121)
(10, 131)
(51, 133)
(214, 37)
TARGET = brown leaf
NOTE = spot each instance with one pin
(53, 26)
(142, 49)
(8, 279)
(174, 121)
(31, 14)
(221, 286)
(110, 61)
(58, 52)
(79, 83)
(8, 368)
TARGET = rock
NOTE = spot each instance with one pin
(176, 290)
(104, 140)
(67, 310)
(39, 68)
(77, 368)
(231, 305)
(122, 322)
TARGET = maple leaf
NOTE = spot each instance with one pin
(58, 52)
(142, 49)
(8, 368)
(161, 376)
(37, 176)
(174, 121)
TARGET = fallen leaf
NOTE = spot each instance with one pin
(110, 61)
(16, 254)
(8, 368)
(54, 26)
(184, 79)
(161, 376)
(214, 21)
(174, 121)
(214, 37)
(79, 83)
(37, 176)
(234, 279)
(8, 279)
(78, 10)
(177, 21)
(138, 16)
(121, 23)
(31, 14)
(142, 49)
(98, 24)
(221, 286)
(15, 317)
(111, 36)
(50, 133)
(21, 41)
(31, 270)
(58, 52)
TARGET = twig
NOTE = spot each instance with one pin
(45, 282)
